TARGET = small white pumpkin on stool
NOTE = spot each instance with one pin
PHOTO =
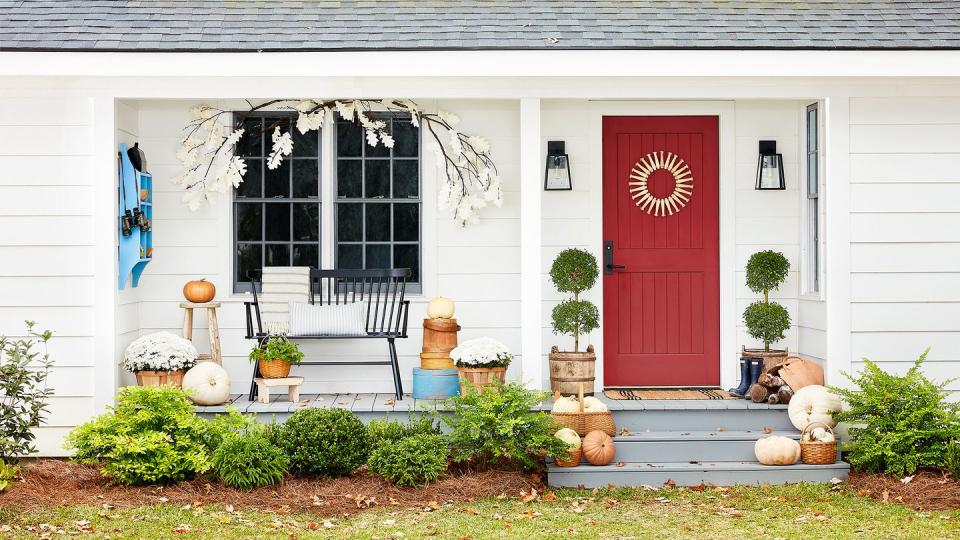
(440, 308)
(207, 383)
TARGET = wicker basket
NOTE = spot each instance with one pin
(818, 452)
(479, 378)
(274, 369)
(584, 422)
(159, 378)
(573, 459)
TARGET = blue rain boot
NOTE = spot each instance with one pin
(744, 379)
(756, 368)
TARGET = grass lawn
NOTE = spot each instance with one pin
(798, 511)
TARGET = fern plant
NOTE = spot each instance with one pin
(499, 426)
(248, 460)
(899, 422)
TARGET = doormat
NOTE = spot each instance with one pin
(678, 393)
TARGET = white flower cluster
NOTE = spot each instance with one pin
(472, 182)
(161, 351)
(481, 352)
(206, 154)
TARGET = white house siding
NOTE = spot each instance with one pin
(127, 314)
(905, 231)
(46, 245)
(478, 266)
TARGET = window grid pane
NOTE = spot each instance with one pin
(277, 217)
(369, 193)
(813, 194)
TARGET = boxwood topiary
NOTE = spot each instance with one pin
(248, 460)
(574, 271)
(393, 431)
(413, 461)
(325, 442)
(766, 320)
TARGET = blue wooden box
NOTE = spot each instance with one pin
(435, 383)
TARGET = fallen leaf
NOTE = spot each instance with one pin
(721, 428)
(701, 487)
(670, 483)
(624, 432)
(181, 529)
(313, 526)
(470, 511)
(767, 429)
(529, 497)
(621, 464)
(886, 496)
(549, 496)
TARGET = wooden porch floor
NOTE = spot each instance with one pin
(386, 403)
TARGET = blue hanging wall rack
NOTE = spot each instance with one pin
(136, 249)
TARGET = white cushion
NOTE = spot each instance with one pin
(328, 320)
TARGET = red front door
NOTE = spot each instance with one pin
(661, 311)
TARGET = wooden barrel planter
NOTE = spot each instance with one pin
(435, 383)
(568, 370)
(436, 360)
(480, 378)
(439, 335)
(770, 358)
(158, 378)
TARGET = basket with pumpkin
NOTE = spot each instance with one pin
(582, 414)
(573, 441)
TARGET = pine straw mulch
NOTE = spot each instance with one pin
(50, 483)
(927, 490)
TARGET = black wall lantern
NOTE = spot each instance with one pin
(557, 175)
(770, 167)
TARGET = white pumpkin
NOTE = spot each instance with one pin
(566, 405)
(207, 384)
(440, 308)
(811, 404)
(777, 450)
(568, 436)
(592, 404)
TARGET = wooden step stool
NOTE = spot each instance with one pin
(212, 327)
(292, 384)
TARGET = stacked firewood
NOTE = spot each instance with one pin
(770, 388)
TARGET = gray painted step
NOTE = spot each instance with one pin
(693, 474)
(702, 419)
(679, 446)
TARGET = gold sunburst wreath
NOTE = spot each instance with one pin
(682, 178)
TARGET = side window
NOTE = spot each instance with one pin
(813, 262)
(378, 206)
(276, 213)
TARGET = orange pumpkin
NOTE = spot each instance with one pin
(199, 292)
(598, 448)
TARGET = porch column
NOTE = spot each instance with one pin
(531, 325)
(837, 238)
(104, 173)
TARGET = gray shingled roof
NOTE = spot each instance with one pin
(251, 25)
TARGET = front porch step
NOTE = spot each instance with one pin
(722, 473)
(703, 416)
(684, 446)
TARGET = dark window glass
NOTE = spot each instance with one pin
(276, 212)
(378, 198)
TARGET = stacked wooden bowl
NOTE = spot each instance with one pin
(437, 378)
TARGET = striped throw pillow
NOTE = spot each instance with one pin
(328, 320)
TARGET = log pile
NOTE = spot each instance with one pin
(771, 389)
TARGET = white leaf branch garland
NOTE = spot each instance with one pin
(210, 166)
(682, 178)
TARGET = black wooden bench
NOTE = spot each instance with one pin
(387, 311)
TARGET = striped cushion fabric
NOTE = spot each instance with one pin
(328, 320)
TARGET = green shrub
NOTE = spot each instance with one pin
(898, 423)
(393, 431)
(325, 442)
(574, 271)
(152, 435)
(766, 320)
(8, 473)
(248, 460)
(498, 426)
(233, 422)
(412, 461)
(24, 391)
(952, 459)
(278, 348)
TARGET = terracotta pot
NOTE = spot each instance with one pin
(569, 369)
(274, 369)
(479, 378)
(159, 378)
(771, 358)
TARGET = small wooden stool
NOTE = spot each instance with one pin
(212, 327)
(292, 384)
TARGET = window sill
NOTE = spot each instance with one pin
(812, 297)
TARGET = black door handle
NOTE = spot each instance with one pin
(615, 266)
(608, 266)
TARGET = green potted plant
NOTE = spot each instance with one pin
(276, 354)
(573, 271)
(766, 321)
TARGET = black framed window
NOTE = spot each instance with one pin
(276, 212)
(813, 197)
(378, 202)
